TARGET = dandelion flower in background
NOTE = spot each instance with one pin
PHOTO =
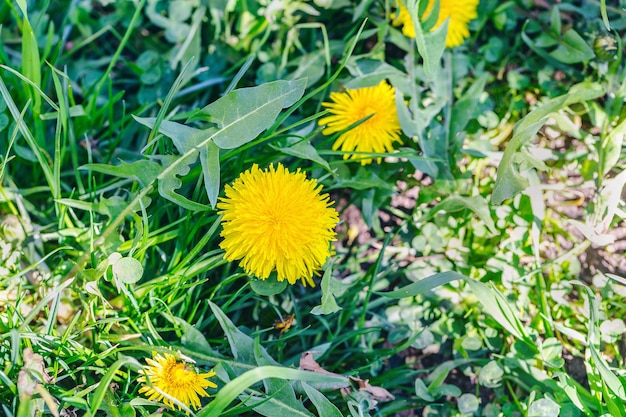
(460, 13)
(177, 379)
(376, 134)
(276, 220)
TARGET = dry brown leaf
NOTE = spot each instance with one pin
(307, 363)
(378, 393)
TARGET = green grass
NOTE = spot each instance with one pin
(478, 269)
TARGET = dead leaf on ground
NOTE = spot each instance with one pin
(307, 363)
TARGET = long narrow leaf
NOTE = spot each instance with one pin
(231, 391)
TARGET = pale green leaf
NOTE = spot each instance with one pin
(143, 171)
(210, 161)
(490, 375)
(169, 183)
(329, 305)
(185, 138)
(544, 407)
(234, 388)
(509, 181)
(468, 404)
(422, 391)
(454, 203)
(127, 270)
(304, 150)
(269, 286)
(241, 345)
(612, 147)
(243, 114)
(430, 45)
(572, 48)
(323, 406)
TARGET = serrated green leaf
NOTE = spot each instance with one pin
(169, 183)
(185, 138)
(243, 114)
(467, 107)
(143, 171)
(430, 45)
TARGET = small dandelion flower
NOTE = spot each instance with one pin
(460, 13)
(276, 220)
(177, 379)
(376, 134)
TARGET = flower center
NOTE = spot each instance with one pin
(365, 112)
(181, 375)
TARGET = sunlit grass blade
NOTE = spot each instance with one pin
(231, 391)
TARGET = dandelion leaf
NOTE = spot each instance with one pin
(272, 406)
(572, 48)
(509, 181)
(304, 150)
(491, 299)
(322, 404)
(329, 305)
(281, 398)
(210, 161)
(185, 138)
(188, 139)
(143, 171)
(169, 181)
(309, 67)
(243, 114)
(430, 45)
(611, 148)
(244, 348)
(455, 203)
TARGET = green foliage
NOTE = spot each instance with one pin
(478, 269)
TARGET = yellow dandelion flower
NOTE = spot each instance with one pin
(177, 379)
(276, 220)
(376, 134)
(460, 13)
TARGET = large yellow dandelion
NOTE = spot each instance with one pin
(376, 134)
(460, 13)
(276, 220)
(176, 379)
